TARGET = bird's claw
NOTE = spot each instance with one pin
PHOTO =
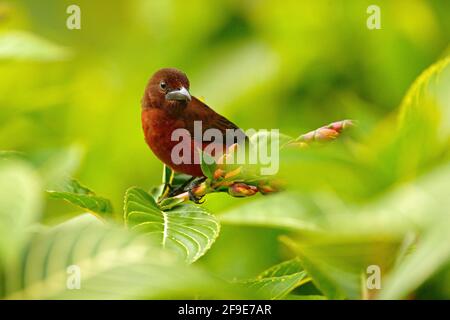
(194, 198)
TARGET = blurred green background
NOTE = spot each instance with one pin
(292, 65)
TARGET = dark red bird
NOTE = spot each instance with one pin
(166, 106)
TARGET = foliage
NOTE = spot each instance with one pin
(377, 195)
(186, 228)
(279, 280)
(84, 198)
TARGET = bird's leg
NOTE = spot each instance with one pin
(167, 190)
(194, 198)
(180, 189)
(194, 183)
(168, 175)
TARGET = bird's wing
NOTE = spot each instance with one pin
(198, 111)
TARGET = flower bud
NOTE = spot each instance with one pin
(307, 137)
(219, 173)
(233, 173)
(239, 189)
(199, 190)
(324, 134)
(270, 186)
(340, 125)
(265, 189)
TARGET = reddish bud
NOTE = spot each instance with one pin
(340, 125)
(239, 189)
(233, 173)
(307, 137)
(265, 189)
(219, 173)
(199, 190)
(324, 134)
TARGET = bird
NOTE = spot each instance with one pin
(167, 105)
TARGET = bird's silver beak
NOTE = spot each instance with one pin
(181, 95)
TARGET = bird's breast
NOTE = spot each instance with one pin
(158, 129)
(161, 135)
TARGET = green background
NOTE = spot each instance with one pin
(290, 65)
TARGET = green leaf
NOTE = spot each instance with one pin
(157, 191)
(58, 166)
(208, 165)
(282, 269)
(284, 210)
(336, 244)
(111, 262)
(424, 122)
(263, 138)
(20, 45)
(279, 280)
(320, 277)
(335, 261)
(55, 166)
(11, 154)
(84, 198)
(187, 229)
(403, 149)
(428, 100)
(20, 205)
(169, 203)
(304, 297)
(432, 252)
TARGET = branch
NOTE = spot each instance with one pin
(237, 183)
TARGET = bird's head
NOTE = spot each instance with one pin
(167, 88)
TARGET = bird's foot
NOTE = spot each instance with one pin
(180, 189)
(194, 185)
(194, 198)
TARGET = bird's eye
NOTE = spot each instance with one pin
(163, 85)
